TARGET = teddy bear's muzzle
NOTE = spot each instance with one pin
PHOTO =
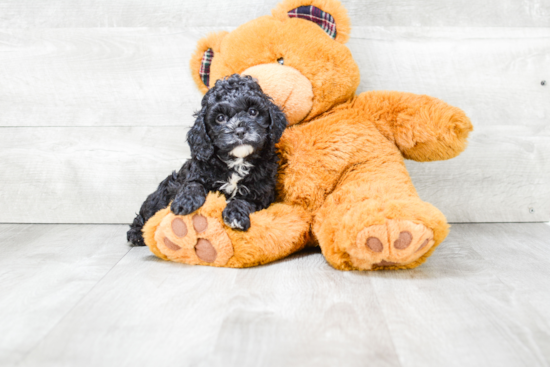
(289, 88)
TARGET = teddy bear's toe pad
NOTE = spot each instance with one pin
(179, 227)
(194, 240)
(205, 250)
(200, 223)
(395, 243)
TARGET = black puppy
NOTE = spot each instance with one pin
(232, 151)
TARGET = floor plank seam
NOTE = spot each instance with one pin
(18, 232)
(386, 323)
(72, 308)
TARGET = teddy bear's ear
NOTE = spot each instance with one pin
(202, 59)
(330, 15)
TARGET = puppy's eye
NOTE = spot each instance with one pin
(281, 61)
(253, 112)
(220, 118)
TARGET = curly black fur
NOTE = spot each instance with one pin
(234, 113)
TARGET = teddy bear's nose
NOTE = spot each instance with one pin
(289, 88)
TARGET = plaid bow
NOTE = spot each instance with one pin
(316, 15)
(205, 66)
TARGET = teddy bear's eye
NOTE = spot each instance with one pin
(220, 118)
(281, 61)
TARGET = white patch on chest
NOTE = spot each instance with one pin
(242, 151)
(240, 170)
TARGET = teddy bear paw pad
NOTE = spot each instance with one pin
(395, 243)
(195, 240)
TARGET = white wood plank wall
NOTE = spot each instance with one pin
(96, 98)
(185, 13)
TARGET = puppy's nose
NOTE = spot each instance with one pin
(240, 131)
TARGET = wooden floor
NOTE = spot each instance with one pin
(77, 295)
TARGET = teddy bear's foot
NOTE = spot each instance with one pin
(378, 234)
(391, 245)
(195, 240)
(202, 238)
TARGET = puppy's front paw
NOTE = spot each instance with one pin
(237, 217)
(186, 204)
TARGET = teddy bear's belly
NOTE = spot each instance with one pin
(321, 155)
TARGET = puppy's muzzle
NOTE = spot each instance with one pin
(240, 132)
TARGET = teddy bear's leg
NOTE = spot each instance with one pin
(375, 220)
(202, 238)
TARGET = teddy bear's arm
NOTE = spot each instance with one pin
(422, 127)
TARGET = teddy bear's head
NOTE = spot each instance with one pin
(298, 56)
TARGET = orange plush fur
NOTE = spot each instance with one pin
(342, 183)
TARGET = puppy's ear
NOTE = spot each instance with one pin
(278, 123)
(199, 141)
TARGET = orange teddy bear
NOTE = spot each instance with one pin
(342, 182)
